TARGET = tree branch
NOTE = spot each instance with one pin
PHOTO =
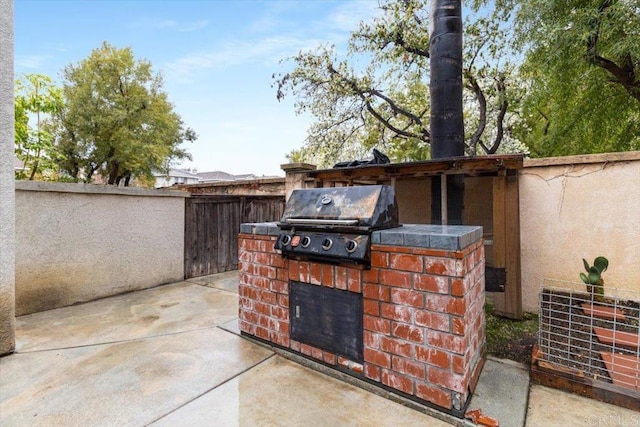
(623, 74)
(502, 89)
(397, 110)
(482, 106)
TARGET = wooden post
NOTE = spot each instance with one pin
(506, 243)
(513, 290)
(499, 236)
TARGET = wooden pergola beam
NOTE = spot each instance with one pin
(458, 165)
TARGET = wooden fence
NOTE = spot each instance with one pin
(212, 224)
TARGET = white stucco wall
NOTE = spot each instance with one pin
(580, 207)
(79, 242)
(7, 236)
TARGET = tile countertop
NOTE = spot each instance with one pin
(449, 237)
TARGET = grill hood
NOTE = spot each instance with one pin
(359, 208)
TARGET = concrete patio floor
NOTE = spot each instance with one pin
(171, 356)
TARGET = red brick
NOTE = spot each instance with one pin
(436, 321)
(406, 262)
(457, 326)
(433, 395)
(261, 258)
(249, 292)
(458, 363)
(247, 327)
(377, 358)
(327, 275)
(398, 279)
(262, 333)
(371, 307)
(277, 261)
(372, 371)
(279, 338)
(399, 382)
(317, 353)
(440, 266)
(433, 356)
(379, 259)
(396, 312)
(376, 292)
(453, 343)
(294, 270)
(280, 312)
(376, 324)
(249, 316)
(408, 367)
(303, 268)
(357, 368)
(458, 288)
(370, 276)
(425, 282)
(244, 256)
(315, 273)
(268, 297)
(343, 362)
(267, 271)
(262, 308)
(282, 274)
(407, 297)
(456, 306)
(246, 304)
(294, 345)
(341, 278)
(395, 346)
(408, 332)
(328, 357)
(354, 280)
(283, 301)
(265, 246)
(305, 349)
(266, 322)
(447, 379)
(280, 286)
(437, 302)
(371, 339)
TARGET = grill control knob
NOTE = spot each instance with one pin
(286, 239)
(351, 246)
(326, 244)
(306, 240)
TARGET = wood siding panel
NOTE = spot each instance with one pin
(212, 224)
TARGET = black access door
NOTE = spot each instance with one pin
(327, 318)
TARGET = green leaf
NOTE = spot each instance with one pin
(586, 264)
(594, 275)
(601, 263)
(584, 278)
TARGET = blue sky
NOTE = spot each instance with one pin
(216, 56)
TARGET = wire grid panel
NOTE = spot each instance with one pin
(570, 336)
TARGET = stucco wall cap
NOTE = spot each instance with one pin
(60, 187)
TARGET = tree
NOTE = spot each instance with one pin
(582, 75)
(36, 96)
(385, 104)
(117, 121)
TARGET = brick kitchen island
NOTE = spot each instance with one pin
(422, 326)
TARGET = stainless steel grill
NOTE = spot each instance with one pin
(335, 224)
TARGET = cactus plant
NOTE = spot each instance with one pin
(593, 279)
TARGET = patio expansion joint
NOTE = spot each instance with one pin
(211, 287)
(214, 387)
(71, 347)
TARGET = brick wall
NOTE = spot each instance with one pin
(423, 313)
